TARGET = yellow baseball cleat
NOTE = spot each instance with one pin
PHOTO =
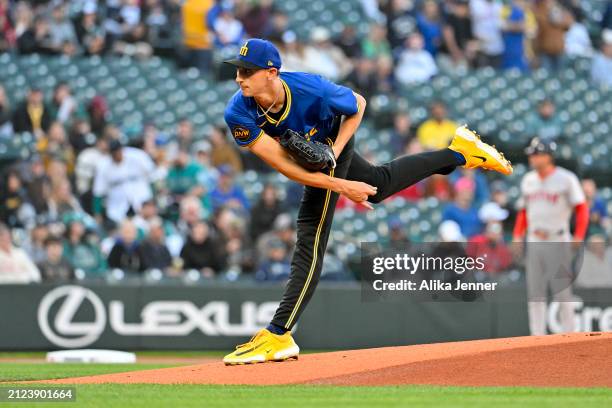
(264, 346)
(477, 153)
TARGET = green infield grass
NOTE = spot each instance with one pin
(154, 395)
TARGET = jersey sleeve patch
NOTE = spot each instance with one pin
(241, 134)
(242, 126)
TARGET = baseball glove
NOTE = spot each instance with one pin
(313, 156)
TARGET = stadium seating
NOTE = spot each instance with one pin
(495, 103)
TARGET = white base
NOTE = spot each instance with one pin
(91, 356)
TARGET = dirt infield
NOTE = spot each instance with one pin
(569, 360)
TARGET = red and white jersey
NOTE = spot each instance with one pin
(549, 203)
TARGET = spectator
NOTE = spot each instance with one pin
(375, 44)
(125, 253)
(82, 250)
(208, 175)
(17, 268)
(451, 244)
(182, 140)
(402, 132)
(437, 186)
(63, 104)
(85, 170)
(294, 194)
(459, 40)
(55, 146)
(158, 26)
(477, 179)
(62, 202)
(62, 34)
(15, 209)
(276, 266)
(123, 181)
(265, 211)
(385, 80)
(577, 39)
(487, 28)
(227, 193)
(599, 223)
(23, 18)
(35, 245)
(283, 229)
(196, 33)
(363, 78)
(606, 21)
(255, 16)
(153, 250)
(90, 33)
(596, 268)
(602, 62)
(228, 30)
(203, 251)
(293, 54)
(429, 22)
(490, 245)
(183, 176)
(553, 21)
(38, 185)
(279, 24)
(134, 43)
(224, 153)
(36, 38)
(6, 127)
(398, 240)
(436, 132)
(372, 11)
(80, 135)
(462, 210)
(348, 42)
(499, 195)
(32, 115)
(326, 59)
(515, 28)
(190, 212)
(55, 268)
(231, 227)
(415, 64)
(8, 37)
(98, 113)
(546, 124)
(148, 212)
(401, 21)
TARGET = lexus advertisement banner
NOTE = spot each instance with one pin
(49, 317)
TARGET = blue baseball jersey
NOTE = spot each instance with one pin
(311, 106)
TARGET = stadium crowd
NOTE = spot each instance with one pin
(88, 205)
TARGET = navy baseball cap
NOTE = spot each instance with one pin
(257, 54)
(539, 146)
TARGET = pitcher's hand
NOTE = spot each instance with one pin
(358, 192)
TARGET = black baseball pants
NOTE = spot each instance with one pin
(317, 210)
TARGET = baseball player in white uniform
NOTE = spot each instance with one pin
(549, 194)
(124, 179)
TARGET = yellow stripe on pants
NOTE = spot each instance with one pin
(314, 255)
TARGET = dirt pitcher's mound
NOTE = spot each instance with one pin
(569, 360)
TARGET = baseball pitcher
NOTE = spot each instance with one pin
(303, 125)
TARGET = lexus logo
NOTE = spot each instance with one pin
(68, 333)
(172, 318)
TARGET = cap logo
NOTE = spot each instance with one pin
(244, 49)
(270, 63)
